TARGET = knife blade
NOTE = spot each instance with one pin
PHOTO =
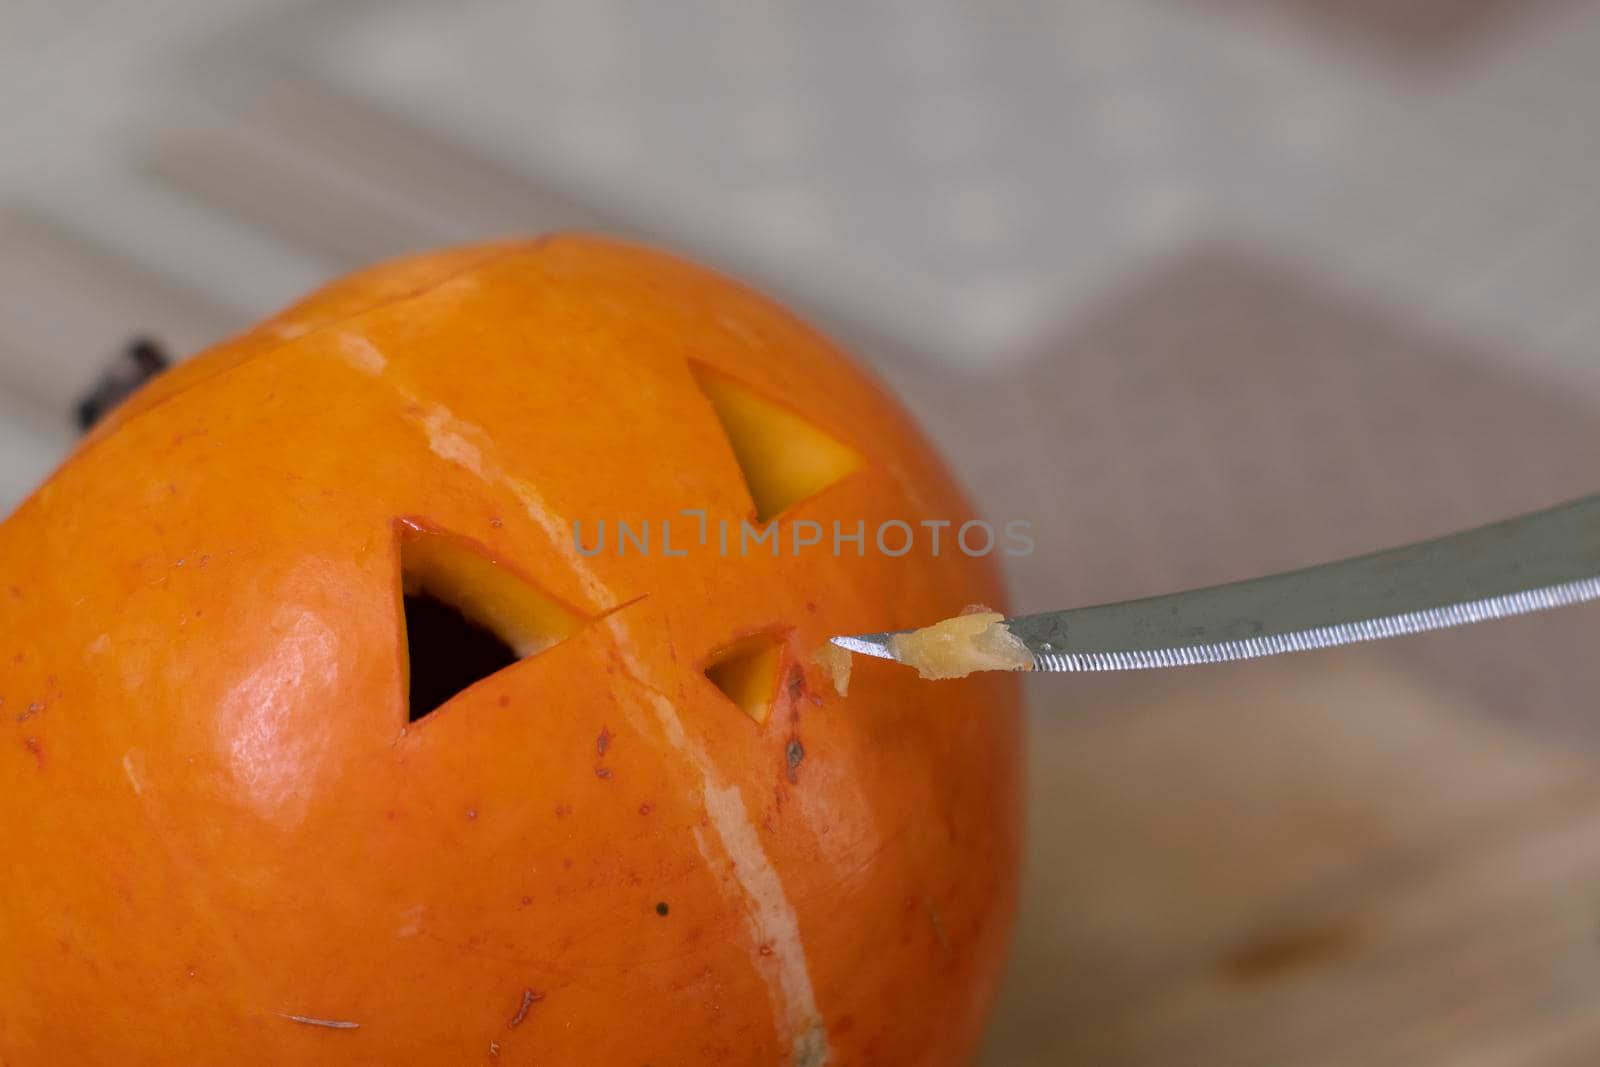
(1541, 560)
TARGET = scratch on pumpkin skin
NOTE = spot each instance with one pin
(465, 444)
(559, 536)
(529, 999)
(772, 917)
(773, 923)
(330, 1024)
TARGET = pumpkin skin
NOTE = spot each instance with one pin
(224, 841)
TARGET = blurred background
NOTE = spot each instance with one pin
(1202, 288)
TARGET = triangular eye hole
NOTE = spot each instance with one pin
(467, 616)
(784, 458)
(747, 673)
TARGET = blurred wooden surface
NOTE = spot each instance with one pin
(1310, 861)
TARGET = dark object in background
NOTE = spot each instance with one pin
(140, 361)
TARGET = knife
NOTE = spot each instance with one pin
(1545, 559)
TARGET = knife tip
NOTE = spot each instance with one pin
(876, 645)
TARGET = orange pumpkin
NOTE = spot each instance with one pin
(271, 797)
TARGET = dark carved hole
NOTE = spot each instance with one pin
(448, 651)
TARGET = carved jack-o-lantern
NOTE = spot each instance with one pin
(326, 740)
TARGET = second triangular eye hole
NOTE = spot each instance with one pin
(467, 616)
(784, 458)
(747, 673)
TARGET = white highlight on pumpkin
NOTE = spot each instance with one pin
(288, 331)
(413, 921)
(771, 917)
(361, 354)
(129, 758)
(447, 437)
(270, 747)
